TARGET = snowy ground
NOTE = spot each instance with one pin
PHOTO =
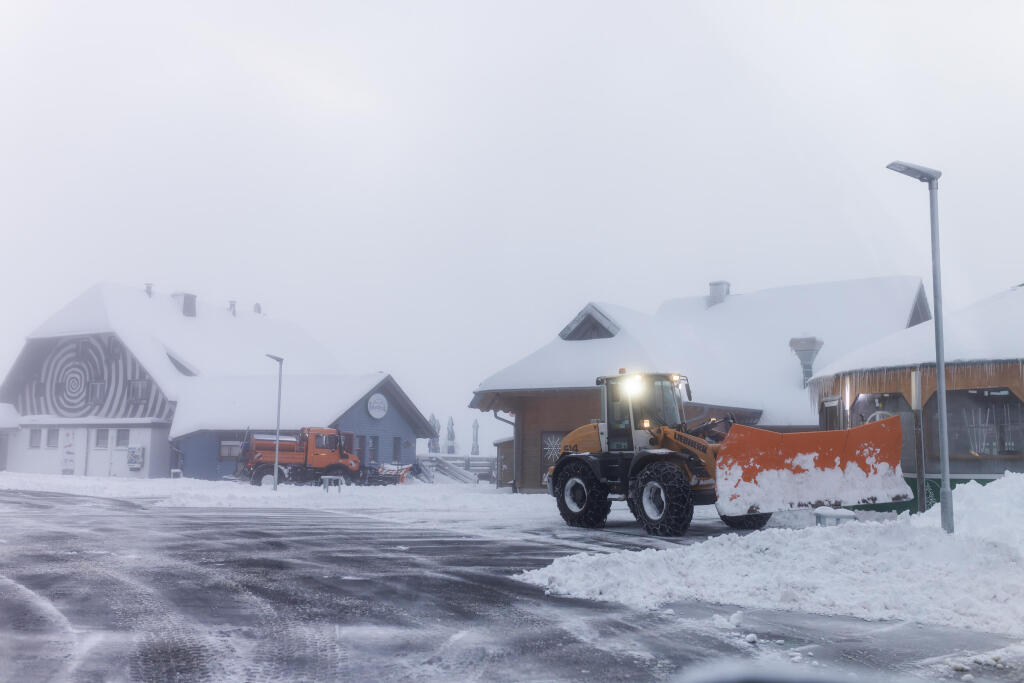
(906, 568)
(156, 579)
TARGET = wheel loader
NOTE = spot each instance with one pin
(642, 451)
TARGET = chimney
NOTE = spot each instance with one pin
(806, 349)
(187, 302)
(257, 309)
(717, 291)
(231, 308)
(149, 289)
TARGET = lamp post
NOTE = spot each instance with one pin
(931, 176)
(277, 431)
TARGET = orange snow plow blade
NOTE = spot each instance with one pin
(762, 471)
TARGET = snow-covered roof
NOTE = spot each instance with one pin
(9, 418)
(240, 403)
(213, 343)
(988, 330)
(214, 364)
(736, 353)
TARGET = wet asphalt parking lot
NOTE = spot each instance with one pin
(97, 590)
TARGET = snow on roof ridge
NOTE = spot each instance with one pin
(967, 338)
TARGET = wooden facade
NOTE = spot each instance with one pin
(985, 409)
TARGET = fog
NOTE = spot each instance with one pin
(435, 189)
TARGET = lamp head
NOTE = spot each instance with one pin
(922, 173)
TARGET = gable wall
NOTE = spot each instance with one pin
(55, 377)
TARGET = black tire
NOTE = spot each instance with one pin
(264, 471)
(749, 522)
(582, 499)
(664, 503)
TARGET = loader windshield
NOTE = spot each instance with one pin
(658, 402)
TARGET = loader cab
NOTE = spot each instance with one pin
(636, 404)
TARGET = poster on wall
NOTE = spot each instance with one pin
(68, 463)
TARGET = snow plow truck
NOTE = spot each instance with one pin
(313, 453)
(642, 451)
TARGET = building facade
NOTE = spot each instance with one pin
(126, 382)
(984, 392)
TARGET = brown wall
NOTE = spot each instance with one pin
(551, 411)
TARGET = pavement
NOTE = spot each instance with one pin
(95, 589)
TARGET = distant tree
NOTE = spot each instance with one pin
(475, 450)
(450, 441)
(434, 445)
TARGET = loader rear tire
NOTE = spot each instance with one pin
(582, 499)
(664, 502)
(750, 522)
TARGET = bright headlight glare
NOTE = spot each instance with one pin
(634, 385)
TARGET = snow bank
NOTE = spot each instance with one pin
(903, 569)
(413, 502)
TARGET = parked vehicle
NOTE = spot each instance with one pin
(305, 458)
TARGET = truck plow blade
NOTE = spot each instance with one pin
(762, 471)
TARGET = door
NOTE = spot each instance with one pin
(620, 423)
(396, 450)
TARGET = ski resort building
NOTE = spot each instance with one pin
(129, 382)
(984, 353)
(747, 354)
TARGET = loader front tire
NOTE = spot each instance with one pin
(582, 499)
(749, 522)
(664, 502)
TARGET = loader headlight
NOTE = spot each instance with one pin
(647, 424)
(634, 385)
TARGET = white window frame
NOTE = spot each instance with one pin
(117, 438)
(56, 437)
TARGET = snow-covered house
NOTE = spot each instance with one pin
(984, 353)
(128, 382)
(750, 354)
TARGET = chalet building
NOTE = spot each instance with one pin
(984, 353)
(129, 382)
(749, 354)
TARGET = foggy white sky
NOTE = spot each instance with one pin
(436, 188)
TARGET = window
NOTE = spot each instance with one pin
(361, 446)
(372, 447)
(986, 430)
(122, 438)
(138, 390)
(551, 445)
(35, 438)
(396, 450)
(52, 437)
(326, 442)
(830, 415)
(97, 390)
(102, 438)
(230, 450)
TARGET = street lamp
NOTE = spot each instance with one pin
(277, 432)
(931, 176)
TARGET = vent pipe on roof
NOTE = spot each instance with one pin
(806, 349)
(717, 291)
(187, 302)
(257, 309)
(231, 308)
(149, 289)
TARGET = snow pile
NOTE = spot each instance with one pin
(901, 569)
(994, 512)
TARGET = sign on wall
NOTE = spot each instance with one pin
(377, 406)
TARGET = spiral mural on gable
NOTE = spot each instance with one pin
(92, 376)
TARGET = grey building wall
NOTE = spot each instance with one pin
(395, 424)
